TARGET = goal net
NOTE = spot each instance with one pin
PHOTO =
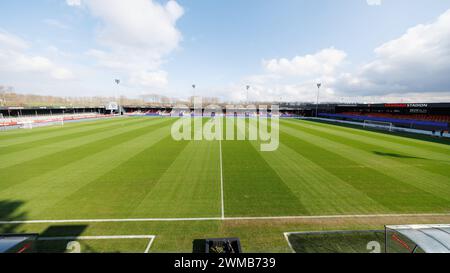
(28, 124)
(2, 123)
(378, 125)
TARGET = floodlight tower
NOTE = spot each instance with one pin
(317, 102)
(117, 81)
(193, 93)
(248, 88)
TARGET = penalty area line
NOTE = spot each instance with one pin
(317, 217)
(151, 238)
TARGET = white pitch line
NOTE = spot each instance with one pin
(221, 181)
(312, 217)
(149, 245)
(108, 220)
(318, 217)
(113, 237)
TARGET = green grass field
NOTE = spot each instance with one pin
(131, 168)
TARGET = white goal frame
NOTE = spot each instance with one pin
(28, 124)
(2, 123)
(378, 125)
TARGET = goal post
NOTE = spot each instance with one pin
(2, 123)
(28, 124)
(378, 125)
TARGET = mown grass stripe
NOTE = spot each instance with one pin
(66, 155)
(252, 187)
(377, 186)
(414, 161)
(433, 162)
(321, 191)
(189, 187)
(22, 135)
(412, 149)
(431, 143)
(55, 185)
(398, 172)
(62, 136)
(112, 181)
(20, 157)
(119, 191)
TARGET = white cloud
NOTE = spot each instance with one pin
(14, 56)
(292, 79)
(324, 62)
(135, 36)
(73, 2)
(418, 61)
(373, 2)
(414, 67)
(10, 41)
(55, 23)
(148, 78)
(61, 73)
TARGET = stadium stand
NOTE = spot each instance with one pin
(399, 122)
(44, 120)
(419, 116)
(424, 117)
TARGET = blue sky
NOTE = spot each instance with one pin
(394, 50)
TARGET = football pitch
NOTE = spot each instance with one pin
(127, 177)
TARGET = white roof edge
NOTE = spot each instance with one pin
(430, 238)
(398, 227)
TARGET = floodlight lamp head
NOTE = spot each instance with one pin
(117, 81)
(193, 86)
(319, 85)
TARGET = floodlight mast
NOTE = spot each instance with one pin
(317, 102)
(193, 93)
(248, 88)
(117, 81)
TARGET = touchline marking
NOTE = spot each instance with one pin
(221, 181)
(114, 237)
(220, 218)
